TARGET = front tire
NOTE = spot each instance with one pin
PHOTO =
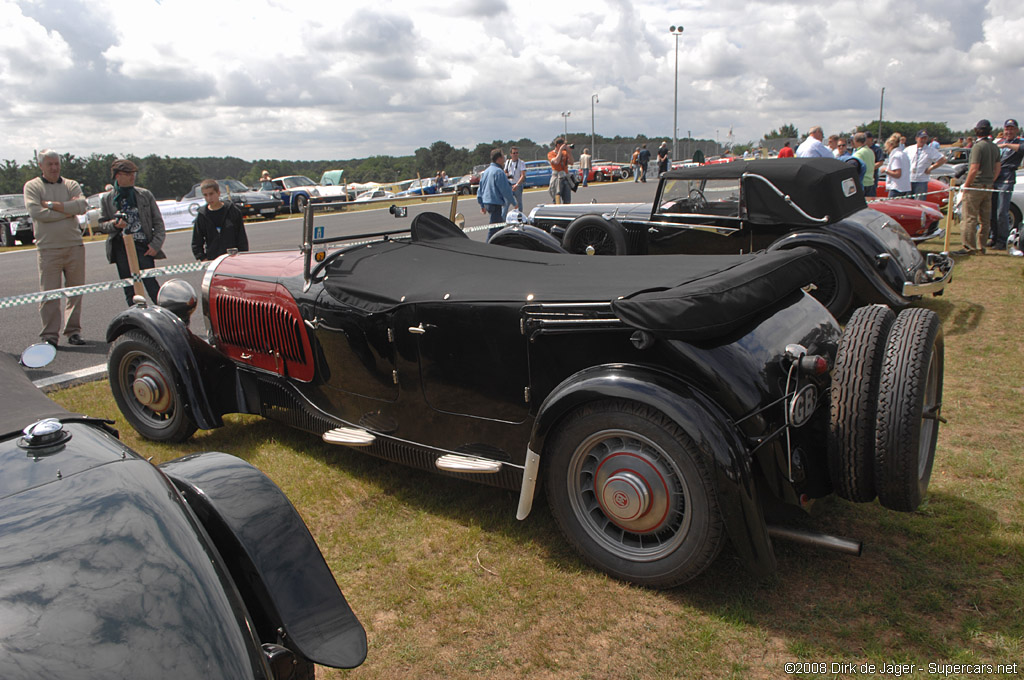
(300, 203)
(909, 402)
(147, 389)
(594, 235)
(598, 176)
(6, 237)
(632, 493)
(854, 398)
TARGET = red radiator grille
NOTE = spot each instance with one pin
(263, 328)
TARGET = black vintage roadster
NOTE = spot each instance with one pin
(746, 206)
(113, 567)
(662, 402)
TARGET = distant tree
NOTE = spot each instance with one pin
(786, 131)
(910, 128)
(168, 177)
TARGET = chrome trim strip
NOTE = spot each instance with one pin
(529, 484)
(211, 338)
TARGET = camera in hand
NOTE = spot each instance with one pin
(571, 146)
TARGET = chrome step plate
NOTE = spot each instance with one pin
(455, 463)
(349, 436)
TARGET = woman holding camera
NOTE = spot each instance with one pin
(133, 211)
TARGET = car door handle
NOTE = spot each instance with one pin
(417, 330)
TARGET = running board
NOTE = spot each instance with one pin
(453, 462)
(837, 543)
(349, 436)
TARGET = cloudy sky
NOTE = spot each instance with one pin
(338, 79)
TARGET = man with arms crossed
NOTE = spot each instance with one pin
(984, 166)
(53, 202)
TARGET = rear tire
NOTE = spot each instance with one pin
(854, 400)
(632, 492)
(598, 176)
(300, 203)
(594, 235)
(909, 401)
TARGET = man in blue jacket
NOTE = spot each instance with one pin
(495, 192)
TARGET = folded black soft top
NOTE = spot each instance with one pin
(687, 295)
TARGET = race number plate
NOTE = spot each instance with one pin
(802, 406)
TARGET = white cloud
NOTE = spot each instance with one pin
(329, 79)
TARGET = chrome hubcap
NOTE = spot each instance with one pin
(150, 388)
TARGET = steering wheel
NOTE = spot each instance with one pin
(696, 197)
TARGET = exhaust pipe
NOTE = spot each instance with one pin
(837, 543)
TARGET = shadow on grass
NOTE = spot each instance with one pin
(939, 583)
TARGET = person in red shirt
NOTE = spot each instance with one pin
(786, 151)
(561, 160)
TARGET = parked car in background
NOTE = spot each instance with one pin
(334, 188)
(609, 170)
(15, 221)
(662, 402)
(538, 174)
(461, 185)
(373, 195)
(113, 567)
(419, 187)
(938, 192)
(296, 191)
(922, 220)
(773, 204)
(251, 203)
(474, 177)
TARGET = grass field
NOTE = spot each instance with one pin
(449, 585)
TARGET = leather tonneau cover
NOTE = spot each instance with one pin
(721, 303)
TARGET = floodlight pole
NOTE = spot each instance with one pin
(565, 117)
(676, 31)
(881, 100)
(593, 145)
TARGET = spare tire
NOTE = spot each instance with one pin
(909, 401)
(526, 237)
(854, 400)
(595, 235)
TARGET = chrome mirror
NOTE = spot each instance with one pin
(38, 355)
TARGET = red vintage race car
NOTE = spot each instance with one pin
(608, 170)
(938, 192)
(922, 220)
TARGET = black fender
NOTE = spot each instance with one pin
(272, 557)
(527, 237)
(862, 271)
(706, 423)
(192, 358)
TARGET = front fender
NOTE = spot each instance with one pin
(192, 358)
(271, 555)
(703, 421)
(858, 267)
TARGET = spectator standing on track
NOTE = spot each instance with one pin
(218, 226)
(495, 192)
(516, 171)
(897, 169)
(863, 153)
(133, 211)
(561, 160)
(1011, 152)
(923, 159)
(786, 151)
(634, 164)
(977, 204)
(812, 146)
(645, 160)
(663, 158)
(879, 159)
(585, 164)
(53, 202)
(833, 144)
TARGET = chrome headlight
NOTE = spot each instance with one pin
(178, 296)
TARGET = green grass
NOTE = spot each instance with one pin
(449, 585)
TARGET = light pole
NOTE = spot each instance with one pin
(593, 146)
(881, 100)
(676, 31)
(565, 118)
